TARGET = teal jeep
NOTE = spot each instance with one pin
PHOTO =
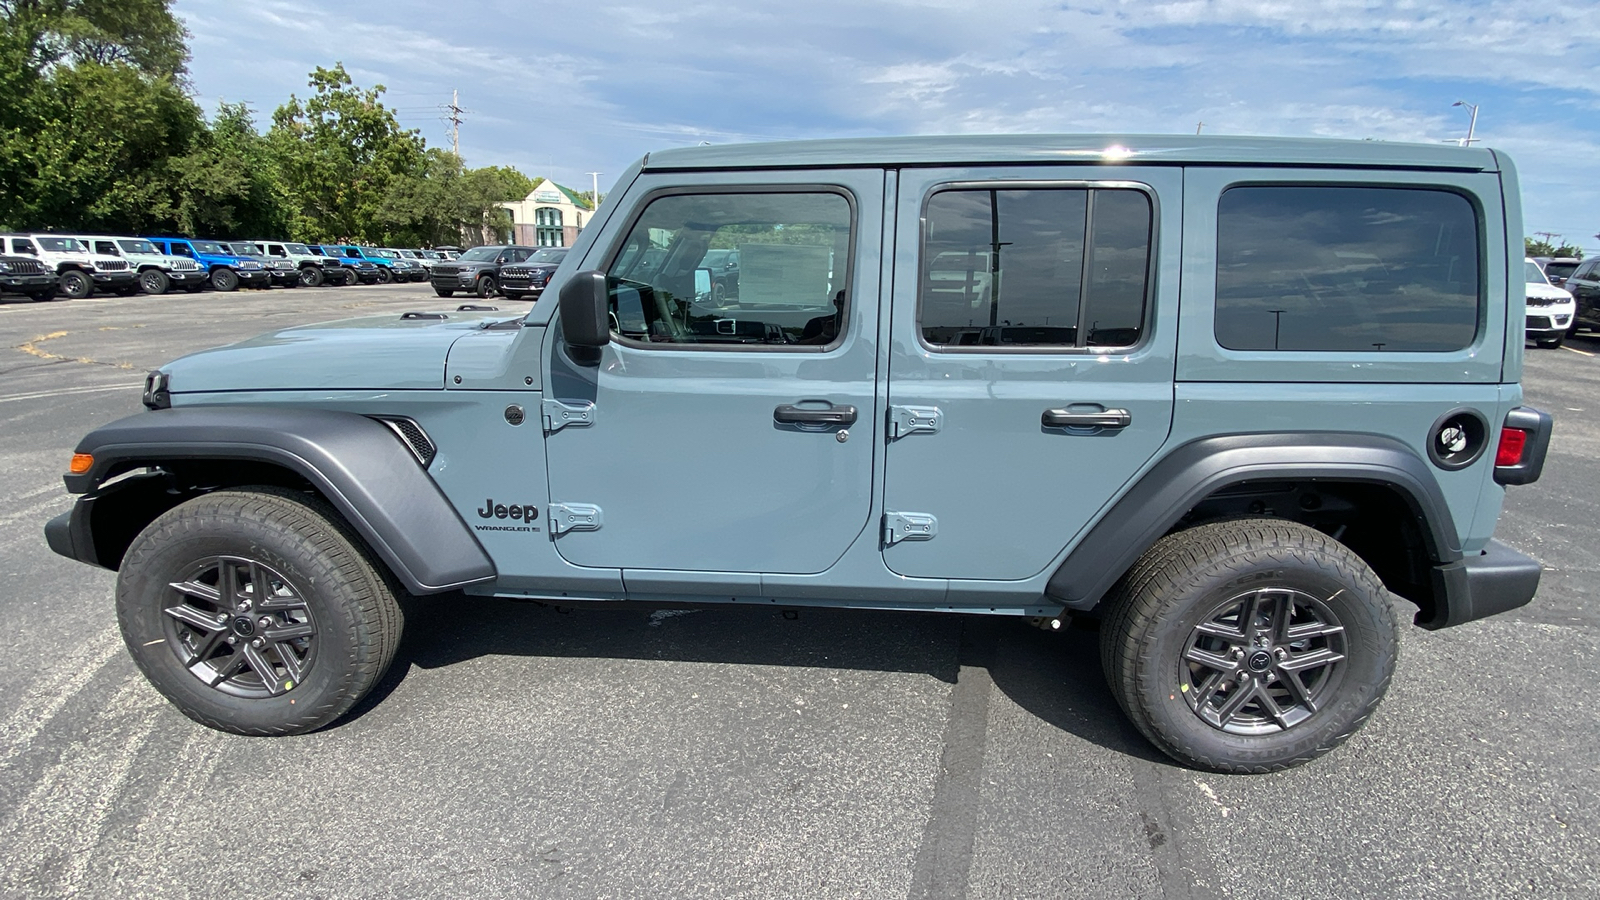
(1240, 400)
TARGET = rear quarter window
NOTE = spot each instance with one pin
(1347, 268)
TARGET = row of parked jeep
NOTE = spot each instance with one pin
(46, 266)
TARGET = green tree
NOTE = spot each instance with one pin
(1541, 247)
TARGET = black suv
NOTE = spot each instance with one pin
(528, 279)
(25, 275)
(1584, 285)
(477, 270)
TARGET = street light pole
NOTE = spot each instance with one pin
(1472, 125)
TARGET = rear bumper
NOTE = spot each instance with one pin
(1494, 581)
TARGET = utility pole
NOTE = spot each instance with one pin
(1198, 126)
(1549, 237)
(455, 122)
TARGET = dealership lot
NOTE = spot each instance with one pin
(526, 750)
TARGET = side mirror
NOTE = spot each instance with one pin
(585, 323)
(702, 283)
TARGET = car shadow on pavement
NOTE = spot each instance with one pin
(1053, 675)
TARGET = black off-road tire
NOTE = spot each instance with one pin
(288, 547)
(1550, 343)
(443, 293)
(311, 276)
(224, 279)
(154, 281)
(75, 284)
(486, 286)
(515, 295)
(385, 275)
(1176, 599)
(43, 296)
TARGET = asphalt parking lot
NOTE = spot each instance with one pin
(522, 750)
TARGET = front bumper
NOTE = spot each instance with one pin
(186, 276)
(284, 276)
(1548, 322)
(1494, 581)
(27, 284)
(365, 276)
(254, 277)
(113, 280)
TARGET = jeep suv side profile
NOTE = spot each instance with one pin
(226, 270)
(79, 271)
(357, 269)
(1240, 400)
(315, 269)
(157, 272)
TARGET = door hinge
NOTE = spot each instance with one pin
(908, 526)
(565, 517)
(904, 420)
(559, 414)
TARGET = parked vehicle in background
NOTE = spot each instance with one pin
(1584, 286)
(724, 268)
(404, 269)
(1558, 268)
(80, 271)
(156, 272)
(357, 268)
(518, 281)
(477, 270)
(227, 270)
(315, 269)
(283, 272)
(1550, 309)
(416, 257)
(26, 276)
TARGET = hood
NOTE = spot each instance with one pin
(371, 353)
(1547, 292)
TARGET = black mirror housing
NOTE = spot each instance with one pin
(584, 302)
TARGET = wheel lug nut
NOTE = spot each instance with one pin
(264, 621)
(1281, 654)
(222, 619)
(232, 639)
(244, 605)
(1238, 653)
(257, 642)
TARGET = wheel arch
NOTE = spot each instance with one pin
(358, 465)
(1372, 493)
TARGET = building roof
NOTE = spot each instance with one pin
(570, 195)
(1084, 148)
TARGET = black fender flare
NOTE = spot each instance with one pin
(357, 463)
(1193, 471)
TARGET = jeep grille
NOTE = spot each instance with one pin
(26, 266)
(185, 265)
(112, 265)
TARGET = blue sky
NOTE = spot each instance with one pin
(564, 89)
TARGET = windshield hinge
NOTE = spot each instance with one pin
(565, 517)
(558, 414)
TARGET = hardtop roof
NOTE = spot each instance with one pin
(1127, 149)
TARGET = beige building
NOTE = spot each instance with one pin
(551, 216)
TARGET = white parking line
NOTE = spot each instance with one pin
(40, 395)
(1575, 350)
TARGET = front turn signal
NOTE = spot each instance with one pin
(81, 463)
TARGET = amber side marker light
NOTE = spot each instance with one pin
(81, 463)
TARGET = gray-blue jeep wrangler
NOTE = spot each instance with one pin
(1230, 397)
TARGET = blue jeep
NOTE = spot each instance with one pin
(1239, 400)
(356, 268)
(227, 269)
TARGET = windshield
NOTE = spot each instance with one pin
(548, 255)
(298, 249)
(480, 254)
(1533, 274)
(137, 247)
(61, 245)
(407, 254)
(211, 247)
(388, 254)
(243, 249)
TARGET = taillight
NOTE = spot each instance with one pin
(1513, 442)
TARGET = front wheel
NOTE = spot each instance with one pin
(385, 276)
(75, 285)
(311, 276)
(43, 296)
(1550, 343)
(486, 287)
(154, 281)
(443, 292)
(1247, 646)
(224, 280)
(254, 611)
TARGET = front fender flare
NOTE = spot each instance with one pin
(1195, 470)
(358, 464)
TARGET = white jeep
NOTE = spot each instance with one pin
(81, 271)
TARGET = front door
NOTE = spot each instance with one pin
(731, 430)
(1030, 377)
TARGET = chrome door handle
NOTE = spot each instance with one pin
(1063, 418)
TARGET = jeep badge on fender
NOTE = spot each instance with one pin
(1180, 385)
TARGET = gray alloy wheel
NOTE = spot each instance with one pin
(486, 286)
(75, 284)
(1248, 645)
(311, 276)
(154, 281)
(255, 611)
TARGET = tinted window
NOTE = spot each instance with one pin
(1035, 268)
(791, 287)
(1532, 274)
(1346, 269)
(1560, 269)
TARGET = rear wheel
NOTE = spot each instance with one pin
(75, 285)
(224, 279)
(154, 281)
(311, 276)
(254, 611)
(1250, 645)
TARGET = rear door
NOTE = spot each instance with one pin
(1033, 330)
